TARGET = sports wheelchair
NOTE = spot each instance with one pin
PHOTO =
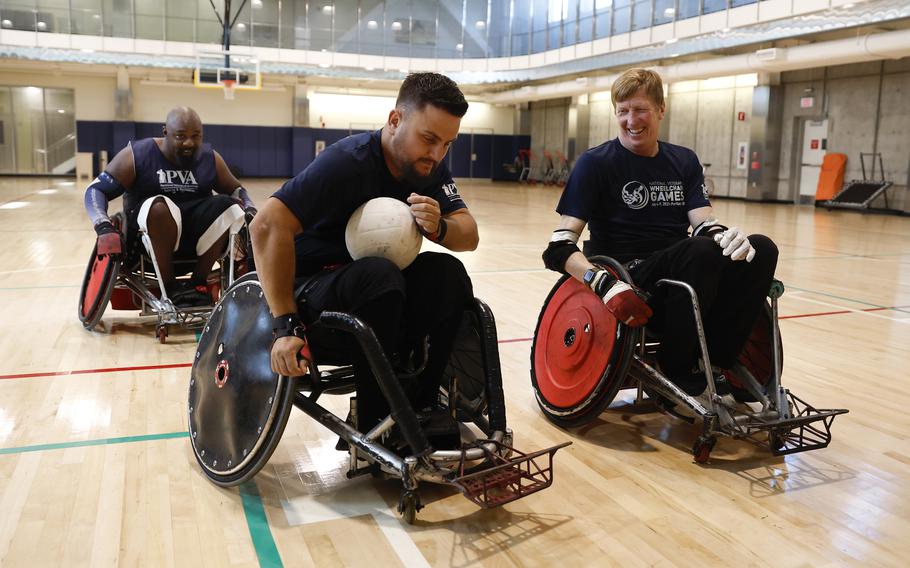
(582, 357)
(129, 281)
(238, 407)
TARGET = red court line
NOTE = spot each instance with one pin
(832, 313)
(92, 371)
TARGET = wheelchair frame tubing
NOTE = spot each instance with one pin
(400, 407)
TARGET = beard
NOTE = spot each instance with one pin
(408, 169)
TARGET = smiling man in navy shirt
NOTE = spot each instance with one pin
(639, 197)
(300, 232)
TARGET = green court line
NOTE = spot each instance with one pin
(253, 510)
(100, 442)
(258, 524)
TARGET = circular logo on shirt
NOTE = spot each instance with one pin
(635, 195)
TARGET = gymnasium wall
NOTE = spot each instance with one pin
(868, 110)
(255, 131)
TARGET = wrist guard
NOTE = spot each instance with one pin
(709, 227)
(287, 325)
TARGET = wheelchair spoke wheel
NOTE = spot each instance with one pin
(97, 286)
(238, 407)
(580, 355)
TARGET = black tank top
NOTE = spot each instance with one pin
(156, 175)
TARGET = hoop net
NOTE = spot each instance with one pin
(228, 89)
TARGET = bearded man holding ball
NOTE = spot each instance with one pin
(300, 233)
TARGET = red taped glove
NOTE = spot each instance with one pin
(623, 300)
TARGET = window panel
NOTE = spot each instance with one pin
(585, 20)
(475, 28)
(397, 33)
(539, 26)
(521, 27)
(498, 37)
(449, 36)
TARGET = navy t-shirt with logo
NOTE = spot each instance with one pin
(634, 205)
(342, 178)
(156, 175)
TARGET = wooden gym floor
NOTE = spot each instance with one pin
(96, 469)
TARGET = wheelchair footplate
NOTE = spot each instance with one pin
(500, 480)
(808, 429)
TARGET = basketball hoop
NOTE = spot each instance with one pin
(228, 89)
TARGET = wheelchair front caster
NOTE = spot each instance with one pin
(701, 450)
(162, 334)
(408, 505)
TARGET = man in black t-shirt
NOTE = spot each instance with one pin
(639, 197)
(304, 221)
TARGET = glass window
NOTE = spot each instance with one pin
(585, 20)
(117, 18)
(622, 16)
(736, 3)
(320, 15)
(475, 28)
(397, 36)
(521, 27)
(714, 6)
(603, 18)
(264, 23)
(641, 15)
(149, 19)
(53, 16)
(345, 26)
(423, 29)
(86, 17)
(687, 9)
(664, 11)
(209, 29)
(554, 23)
(18, 15)
(498, 37)
(450, 35)
(180, 21)
(570, 22)
(372, 22)
(539, 26)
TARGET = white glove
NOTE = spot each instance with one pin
(735, 244)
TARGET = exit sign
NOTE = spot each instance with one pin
(806, 102)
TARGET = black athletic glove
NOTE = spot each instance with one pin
(108, 238)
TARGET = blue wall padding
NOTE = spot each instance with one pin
(283, 151)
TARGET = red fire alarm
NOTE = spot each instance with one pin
(814, 144)
(741, 116)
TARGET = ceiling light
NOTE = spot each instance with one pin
(480, 24)
(372, 25)
(328, 10)
(257, 3)
(241, 26)
(459, 47)
(396, 26)
(7, 24)
(61, 111)
(41, 26)
(669, 12)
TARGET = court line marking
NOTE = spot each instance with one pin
(94, 371)
(41, 268)
(258, 524)
(866, 311)
(828, 294)
(96, 442)
(253, 509)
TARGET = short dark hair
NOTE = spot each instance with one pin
(421, 89)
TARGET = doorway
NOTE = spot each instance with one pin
(812, 148)
(37, 131)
